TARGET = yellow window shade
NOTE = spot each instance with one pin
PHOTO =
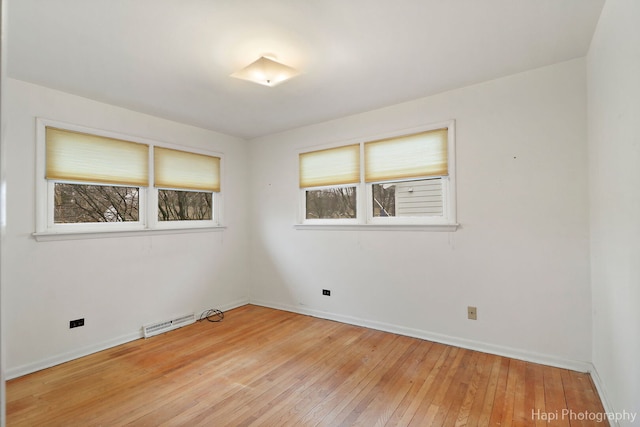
(76, 156)
(183, 170)
(412, 156)
(333, 166)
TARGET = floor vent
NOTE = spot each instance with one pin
(168, 325)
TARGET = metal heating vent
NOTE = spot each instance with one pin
(168, 325)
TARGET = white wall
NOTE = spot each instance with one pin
(613, 66)
(521, 255)
(3, 76)
(116, 284)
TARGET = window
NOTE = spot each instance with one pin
(96, 181)
(86, 203)
(186, 183)
(331, 203)
(405, 179)
(327, 178)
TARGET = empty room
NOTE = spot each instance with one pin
(323, 212)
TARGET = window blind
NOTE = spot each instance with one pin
(333, 166)
(412, 156)
(76, 156)
(177, 169)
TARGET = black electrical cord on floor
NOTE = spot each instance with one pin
(212, 315)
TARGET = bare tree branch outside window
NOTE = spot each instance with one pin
(384, 200)
(83, 203)
(174, 205)
(331, 203)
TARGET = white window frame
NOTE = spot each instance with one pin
(364, 191)
(47, 229)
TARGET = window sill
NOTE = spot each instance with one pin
(379, 227)
(53, 236)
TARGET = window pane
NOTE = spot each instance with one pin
(331, 203)
(174, 205)
(81, 203)
(408, 198)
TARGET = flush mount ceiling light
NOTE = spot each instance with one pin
(266, 71)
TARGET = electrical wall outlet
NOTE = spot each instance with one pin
(76, 323)
(326, 292)
(472, 313)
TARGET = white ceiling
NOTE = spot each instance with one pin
(173, 58)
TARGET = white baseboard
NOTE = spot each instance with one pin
(412, 332)
(29, 368)
(602, 392)
(514, 353)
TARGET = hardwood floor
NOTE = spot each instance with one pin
(273, 368)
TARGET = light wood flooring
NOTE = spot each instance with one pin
(273, 368)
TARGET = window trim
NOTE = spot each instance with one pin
(379, 227)
(364, 214)
(147, 222)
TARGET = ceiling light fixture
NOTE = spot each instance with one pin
(266, 71)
